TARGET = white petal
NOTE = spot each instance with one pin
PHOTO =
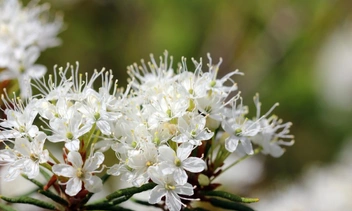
(7, 155)
(64, 170)
(186, 189)
(72, 145)
(247, 145)
(12, 173)
(180, 176)
(39, 141)
(23, 146)
(184, 150)
(33, 131)
(14, 170)
(115, 170)
(56, 138)
(94, 162)
(180, 138)
(156, 194)
(193, 164)
(31, 55)
(167, 167)
(75, 158)
(275, 150)
(205, 135)
(231, 143)
(32, 169)
(166, 154)
(73, 186)
(93, 184)
(156, 175)
(173, 201)
(36, 71)
(104, 127)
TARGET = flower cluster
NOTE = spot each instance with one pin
(169, 127)
(24, 34)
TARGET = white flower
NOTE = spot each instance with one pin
(148, 80)
(213, 84)
(80, 173)
(176, 164)
(25, 157)
(240, 133)
(69, 130)
(163, 107)
(19, 122)
(192, 130)
(272, 132)
(166, 186)
(24, 33)
(140, 160)
(95, 110)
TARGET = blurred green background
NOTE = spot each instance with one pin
(278, 44)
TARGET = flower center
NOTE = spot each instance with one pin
(207, 109)
(22, 129)
(212, 83)
(79, 173)
(169, 187)
(238, 132)
(34, 157)
(69, 135)
(193, 133)
(156, 140)
(96, 115)
(169, 113)
(177, 162)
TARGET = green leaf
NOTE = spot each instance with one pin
(54, 197)
(195, 209)
(114, 208)
(46, 193)
(130, 191)
(145, 203)
(229, 196)
(29, 200)
(118, 197)
(229, 205)
(6, 208)
(45, 174)
(36, 182)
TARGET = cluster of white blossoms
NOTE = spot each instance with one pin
(157, 127)
(24, 33)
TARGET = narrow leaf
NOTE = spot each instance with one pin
(195, 209)
(45, 174)
(145, 203)
(130, 191)
(230, 196)
(29, 200)
(46, 193)
(36, 182)
(53, 197)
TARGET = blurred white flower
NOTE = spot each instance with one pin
(322, 188)
(334, 70)
(24, 33)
